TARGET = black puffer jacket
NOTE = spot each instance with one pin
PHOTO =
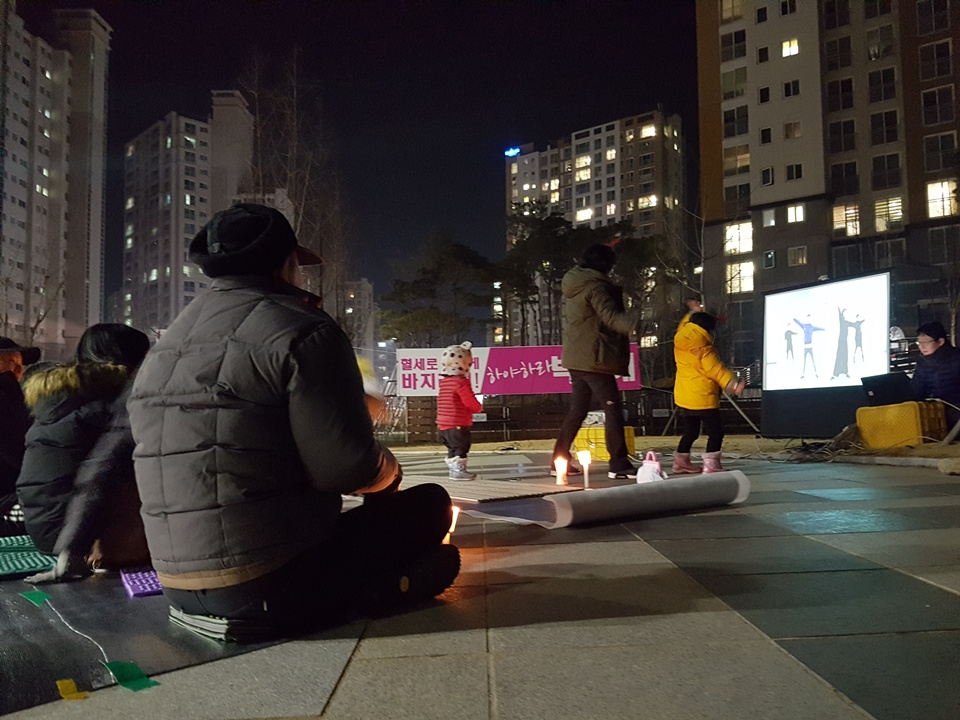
(250, 422)
(14, 421)
(71, 408)
(938, 376)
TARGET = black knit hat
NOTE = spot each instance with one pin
(247, 239)
(29, 355)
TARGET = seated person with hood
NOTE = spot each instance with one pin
(14, 417)
(74, 407)
(937, 374)
(250, 422)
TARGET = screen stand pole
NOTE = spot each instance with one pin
(743, 414)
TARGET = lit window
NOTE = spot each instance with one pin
(795, 213)
(941, 198)
(169, 143)
(555, 197)
(130, 203)
(189, 199)
(186, 270)
(127, 297)
(583, 161)
(628, 135)
(630, 205)
(769, 217)
(738, 238)
(791, 130)
(513, 168)
(153, 275)
(648, 131)
(797, 255)
(888, 214)
(555, 184)
(611, 208)
(846, 220)
(736, 160)
(612, 154)
(582, 174)
(584, 214)
(129, 243)
(740, 277)
(645, 202)
(790, 47)
(128, 231)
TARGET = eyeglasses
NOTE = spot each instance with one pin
(926, 342)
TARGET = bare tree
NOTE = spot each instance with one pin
(292, 153)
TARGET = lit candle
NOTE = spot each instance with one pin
(453, 525)
(561, 465)
(584, 457)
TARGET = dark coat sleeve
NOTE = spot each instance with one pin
(14, 423)
(328, 415)
(108, 465)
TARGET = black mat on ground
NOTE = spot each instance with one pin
(83, 625)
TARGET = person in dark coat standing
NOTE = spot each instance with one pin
(14, 417)
(596, 348)
(937, 374)
(73, 406)
(251, 423)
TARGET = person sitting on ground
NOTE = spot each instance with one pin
(596, 348)
(937, 374)
(14, 417)
(250, 423)
(73, 407)
(700, 376)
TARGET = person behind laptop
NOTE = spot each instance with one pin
(937, 374)
(250, 422)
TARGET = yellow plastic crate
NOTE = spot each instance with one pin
(594, 440)
(904, 424)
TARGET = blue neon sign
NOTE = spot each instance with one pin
(512, 152)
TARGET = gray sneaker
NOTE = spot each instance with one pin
(457, 474)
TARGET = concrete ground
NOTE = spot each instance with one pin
(833, 592)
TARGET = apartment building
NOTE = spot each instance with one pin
(178, 172)
(630, 169)
(828, 149)
(53, 106)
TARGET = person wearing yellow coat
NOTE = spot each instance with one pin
(700, 376)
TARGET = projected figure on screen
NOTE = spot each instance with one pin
(808, 330)
(840, 365)
(857, 337)
(788, 336)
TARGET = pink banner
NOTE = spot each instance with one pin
(527, 370)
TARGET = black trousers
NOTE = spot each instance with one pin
(371, 545)
(457, 441)
(692, 420)
(595, 388)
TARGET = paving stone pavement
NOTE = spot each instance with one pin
(833, 592)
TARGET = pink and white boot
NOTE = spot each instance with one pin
(711, 463)
(683, 466)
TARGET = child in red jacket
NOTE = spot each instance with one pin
(455, 408)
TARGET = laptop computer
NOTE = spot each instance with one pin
(888, 389)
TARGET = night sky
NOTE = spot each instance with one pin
(420, 98)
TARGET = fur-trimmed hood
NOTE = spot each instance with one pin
(66, 386)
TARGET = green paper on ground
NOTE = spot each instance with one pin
(129, 675)
(37, 597)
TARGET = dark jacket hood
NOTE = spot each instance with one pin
(54, 392)
(579, 279)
